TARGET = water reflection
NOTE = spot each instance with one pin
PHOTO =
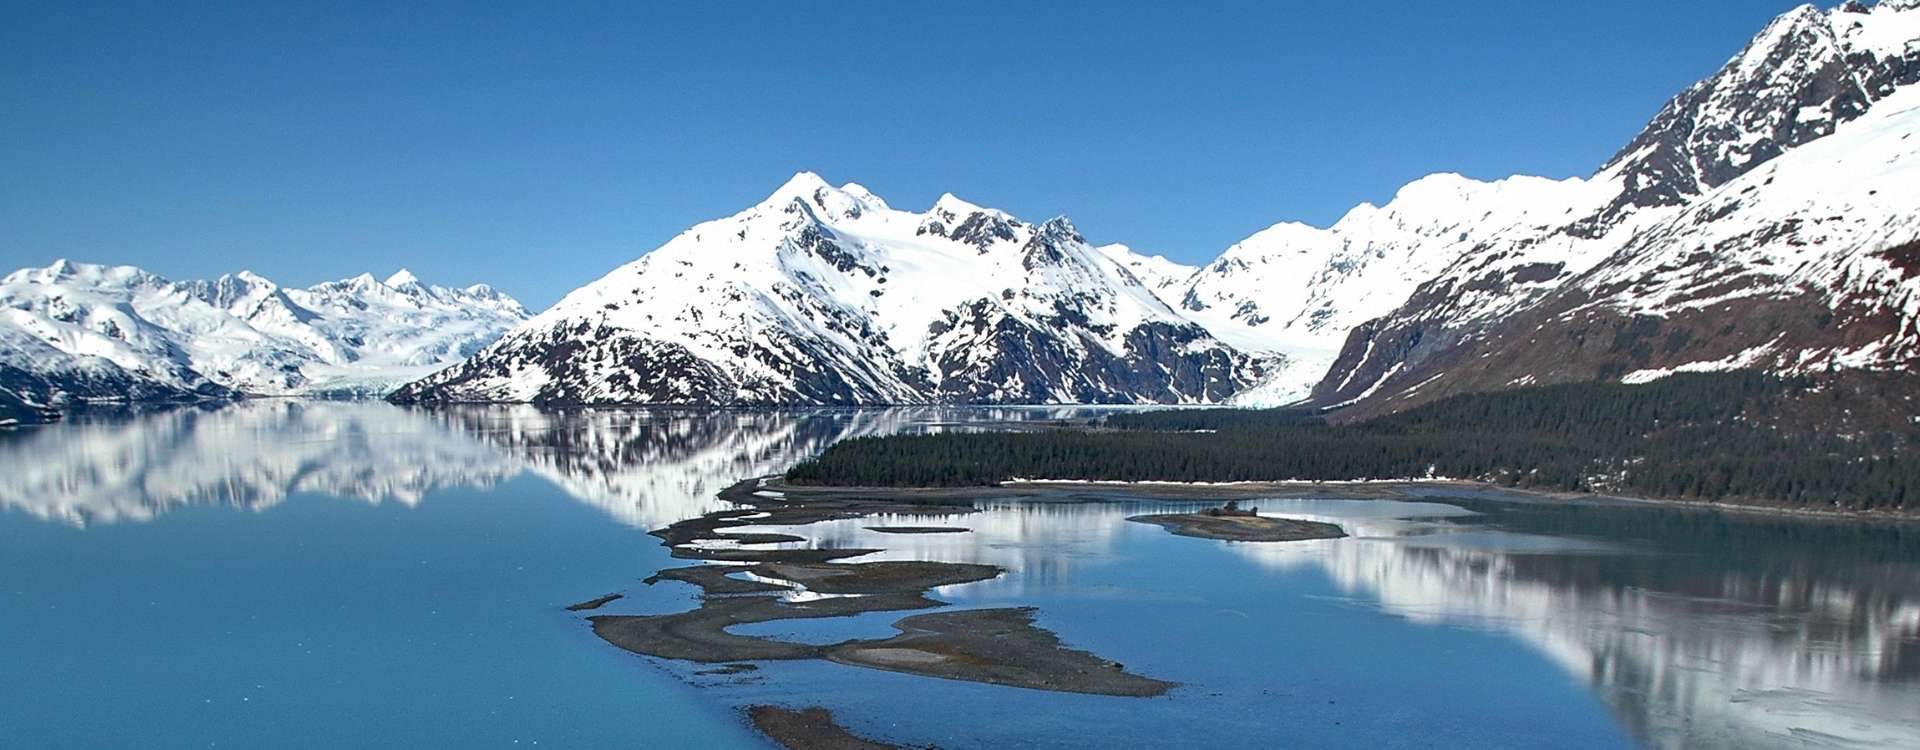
(647, 468)
(110, 467)
(1696, 629)
(1709, 630)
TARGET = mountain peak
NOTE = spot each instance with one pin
(849, 201)
(801, 185)
(1062, 227)
(1796, 81)
(401, 278)
(953, 206)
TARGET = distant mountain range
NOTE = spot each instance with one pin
(74, 333)
(1766, 218)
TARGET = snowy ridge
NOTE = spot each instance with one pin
(1802, 76)
(1155, 272)
(825, 295)
(1758, 221)
(1296, 290)
(77, 332)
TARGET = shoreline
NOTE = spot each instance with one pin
(1079, 490)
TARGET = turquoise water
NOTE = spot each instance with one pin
(294, 574)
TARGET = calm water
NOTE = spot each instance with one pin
(298, 574)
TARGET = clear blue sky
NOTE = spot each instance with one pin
(535, 147)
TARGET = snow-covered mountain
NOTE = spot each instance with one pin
(1783, 176)
(1296, 290)
(1809, 263)
(1765, 217)
(74, 332)
(825, 295)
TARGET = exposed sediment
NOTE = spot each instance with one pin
(594, 603)
(1242, 528)
(855, 588)
(998, 646)
(809, 729)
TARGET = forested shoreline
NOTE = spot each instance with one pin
(1704, 436)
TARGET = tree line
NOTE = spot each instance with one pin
(1696, 436)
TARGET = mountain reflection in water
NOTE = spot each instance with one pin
(1696, 628)
(645, 467)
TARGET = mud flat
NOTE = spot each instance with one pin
(999, 646)
(1241, 528)
(741, 585)
(808, 729)
(701, 634)
(708, 537)
(920, 529)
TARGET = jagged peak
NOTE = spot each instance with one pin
(847, 202)
(401, 278)
(1063, 228)
(1783, 29)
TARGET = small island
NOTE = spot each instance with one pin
(1233, 524)
(808, 729)
(594, 603)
